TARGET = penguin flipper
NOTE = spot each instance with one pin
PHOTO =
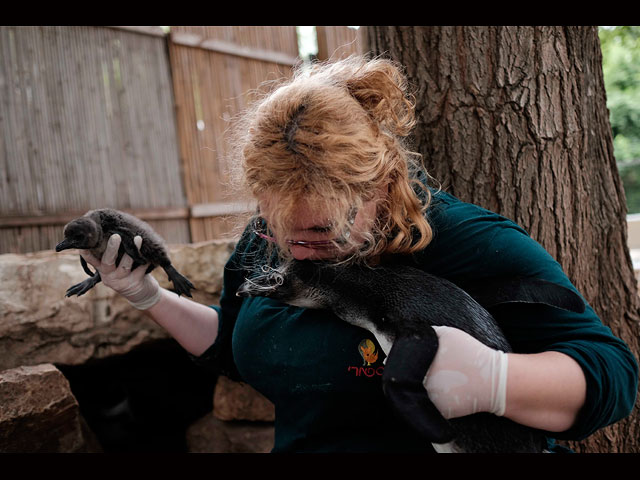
(405, 368)
(85, 267)
(525, 290)
(181, 284)
(83, 287)
(129, 247)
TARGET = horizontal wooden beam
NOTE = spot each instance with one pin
(220, 46)
(173, 213)
(217, 209)
(34, 221)
(200, 210)
(154, 31)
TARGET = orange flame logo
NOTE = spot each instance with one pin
(368, 352)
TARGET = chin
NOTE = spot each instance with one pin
(304, 253)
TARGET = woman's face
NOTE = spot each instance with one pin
(313, 224)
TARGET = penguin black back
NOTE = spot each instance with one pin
(399, 305)
(92, 232)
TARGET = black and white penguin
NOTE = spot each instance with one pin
(399, 305)
(92, 232)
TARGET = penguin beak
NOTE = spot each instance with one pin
(64, 245)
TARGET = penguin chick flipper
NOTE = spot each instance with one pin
(526, 290)
(83, 287)
(181, 285)
(406, 366)
(85, 267)
(129, 247)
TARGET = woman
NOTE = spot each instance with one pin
(324, 156)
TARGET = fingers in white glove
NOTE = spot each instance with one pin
(466, 376)
(125, 263)
(141, 290)
(111, 252)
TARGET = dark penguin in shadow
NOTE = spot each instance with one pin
(399, 305)
(92, 232)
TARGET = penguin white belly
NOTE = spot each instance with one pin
(384, 340)
(446, 447)
(386, 343)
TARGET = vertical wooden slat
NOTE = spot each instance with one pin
(336, 42)
(87, 121)
(216, 86)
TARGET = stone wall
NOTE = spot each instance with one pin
(39, 414)
(40, 327)
(241, 422)
(38, 324)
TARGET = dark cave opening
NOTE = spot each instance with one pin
(144, 400)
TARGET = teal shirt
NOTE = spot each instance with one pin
(327, 390)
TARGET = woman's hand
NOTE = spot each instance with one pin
(466, 376)
(193, 325)
(543, 390)
(141, 290)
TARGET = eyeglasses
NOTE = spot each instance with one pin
(260, 224)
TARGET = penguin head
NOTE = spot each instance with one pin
(82, 233)
(296, 283)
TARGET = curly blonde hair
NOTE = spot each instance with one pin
(335, 134)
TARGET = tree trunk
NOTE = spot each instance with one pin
(514, 119)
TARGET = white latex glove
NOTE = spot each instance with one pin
(466, 376)
(141, 290)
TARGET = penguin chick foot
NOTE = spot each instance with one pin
(83, 287)
(181, 285)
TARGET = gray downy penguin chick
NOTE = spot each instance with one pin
(399, 305)
(92, 232)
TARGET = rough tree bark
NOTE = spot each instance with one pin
(514, 119)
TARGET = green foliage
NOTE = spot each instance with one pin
(631, 180)
(621, 67)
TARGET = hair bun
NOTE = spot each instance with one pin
(380, 86)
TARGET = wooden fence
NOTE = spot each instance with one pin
(215, 70)
(337, 42)
(130, 118)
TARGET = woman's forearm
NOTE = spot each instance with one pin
(193, 325)
(544, 390)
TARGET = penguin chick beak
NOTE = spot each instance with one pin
(64, 245)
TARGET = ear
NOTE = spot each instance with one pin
(525, 290)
